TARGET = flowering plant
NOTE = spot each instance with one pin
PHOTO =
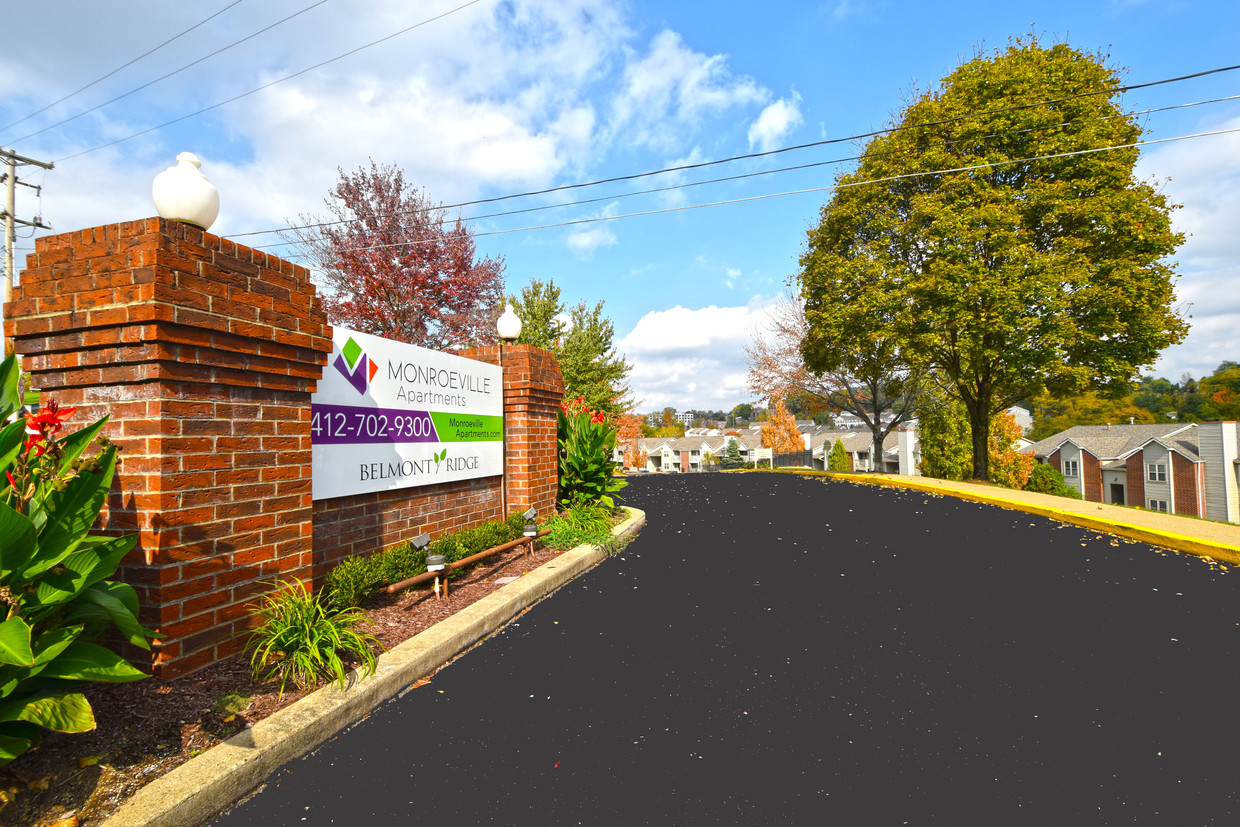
(586, 446)
(53, 593)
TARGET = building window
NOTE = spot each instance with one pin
(1158, 505)
(1070, 468)
(1157, 472)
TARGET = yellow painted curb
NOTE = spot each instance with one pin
(1165, 539)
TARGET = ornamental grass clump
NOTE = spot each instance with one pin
(300, 641)
(586, 444)
(55, 598)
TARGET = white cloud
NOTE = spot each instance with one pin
(587, 238)
(775, 122)
(667, 92)
(1204, 176)
(689, 358)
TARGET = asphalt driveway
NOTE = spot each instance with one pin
(784, 650)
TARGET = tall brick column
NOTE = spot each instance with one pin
(204, 353)
(533, 390)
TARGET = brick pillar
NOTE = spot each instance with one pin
(533, 390)
(204, 353)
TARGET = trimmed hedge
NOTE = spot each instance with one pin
(356, 579)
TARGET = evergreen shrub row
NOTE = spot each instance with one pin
(357, 578)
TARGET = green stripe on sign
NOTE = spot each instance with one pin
(453, 427)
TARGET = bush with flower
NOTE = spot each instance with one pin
(55, 598)
(586, 447)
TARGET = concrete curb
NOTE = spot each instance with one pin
(199, 789)
(1165, 539)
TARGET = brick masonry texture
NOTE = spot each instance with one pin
(1135, 471)
(204, 354)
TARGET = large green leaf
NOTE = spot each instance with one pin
(9, 400)
(12, 437)
(74, 444)
(46, 646)
(86, 661)
(12, 746)
(120, 602)
(60, 712)
(17, 543)
(15, 643)
(71, 513)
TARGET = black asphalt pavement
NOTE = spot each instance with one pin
(782, 650)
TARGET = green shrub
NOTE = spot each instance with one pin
(586, 444)
(589, 519)
(1045, 479)
(401, 562)
(352, 582)
(569, 530)
(54, 595)
(299, 640)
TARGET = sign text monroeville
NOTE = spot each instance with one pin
(391, 415)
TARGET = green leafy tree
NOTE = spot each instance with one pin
(1052, 415)
(584, 346)
(541, 314)
(943, 433)
(838, 460)
(1004, 220)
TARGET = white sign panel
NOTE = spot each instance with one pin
(390, 415)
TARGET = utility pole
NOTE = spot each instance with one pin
(11, 160)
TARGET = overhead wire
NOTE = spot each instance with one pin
(171, 74)
(724, 179)
(835, 186)
(275, 82)
(766, 153)
(119, 68)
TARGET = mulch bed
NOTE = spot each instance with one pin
(147, 728)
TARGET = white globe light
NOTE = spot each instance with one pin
(509, 326)
(183, 193)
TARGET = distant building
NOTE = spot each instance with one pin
(1190, 468)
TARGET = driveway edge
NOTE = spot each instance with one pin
(1165, 539)
(204, 786)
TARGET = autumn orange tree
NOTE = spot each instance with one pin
(779, 431)
(1008, 466)
(629, 434)
(395, 266)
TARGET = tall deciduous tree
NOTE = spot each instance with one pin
(395, 266)
(1003, 220)
(780, 433)
(629, 435)
(855, 367)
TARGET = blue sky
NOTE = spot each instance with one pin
(509, 96)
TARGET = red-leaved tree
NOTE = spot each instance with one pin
(395, 266)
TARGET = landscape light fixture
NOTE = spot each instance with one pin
(531, 526)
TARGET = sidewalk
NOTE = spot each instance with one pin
(1206, 538)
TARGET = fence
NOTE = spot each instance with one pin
(794, 459)
(204, 353)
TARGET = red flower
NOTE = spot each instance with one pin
(46, 422)
(12, 481)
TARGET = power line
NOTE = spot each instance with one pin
(119, 68)
(852, 184)
(170, 74)
(725, 179)
(769, 152)
(272, 83)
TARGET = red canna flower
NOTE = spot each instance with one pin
(46, 423)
